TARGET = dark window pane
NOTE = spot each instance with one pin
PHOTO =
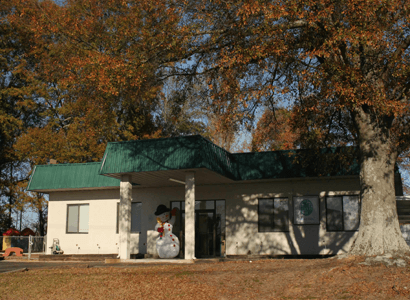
(176, 204)
(351, 214)
(198, 205)
(281, 214)
(334, 213)
(183, 222)
(136, 217)
(265, 218)
(220, 214)
(210, 204)
(118, 215)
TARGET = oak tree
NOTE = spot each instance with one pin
(343, 64)
(95, 69)
(18, 112)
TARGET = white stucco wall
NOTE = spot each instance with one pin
(242, 236)
(101, 238)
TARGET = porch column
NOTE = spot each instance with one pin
(190, 215)
(125, 216)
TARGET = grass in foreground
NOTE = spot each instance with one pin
(263, 279)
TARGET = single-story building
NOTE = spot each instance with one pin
(266, 203)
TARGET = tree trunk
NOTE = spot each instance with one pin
(379, 231)
(41, 222)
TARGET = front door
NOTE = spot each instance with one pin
(209, 227)
(205, 233)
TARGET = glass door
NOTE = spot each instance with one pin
(205, 233)
(209, 227)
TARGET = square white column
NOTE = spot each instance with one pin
(125, 216)
(190, 215)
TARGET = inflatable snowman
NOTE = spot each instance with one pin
(167, 242)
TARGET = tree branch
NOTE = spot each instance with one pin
(399, 51)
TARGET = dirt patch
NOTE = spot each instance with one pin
(262, 279)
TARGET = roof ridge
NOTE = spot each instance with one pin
(274, 151)
(296, 150)
(162, 138)
(209, 141)
(70, 164)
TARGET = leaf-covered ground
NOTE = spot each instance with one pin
(261, 279)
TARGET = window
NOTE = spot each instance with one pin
(273, 214)
(77, 218)
(135, 217)
(342, 213)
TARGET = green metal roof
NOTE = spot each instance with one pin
(69, 176)
(189, 152)
(334, 161)
(193, 152)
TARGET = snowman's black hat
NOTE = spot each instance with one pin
(161, 209)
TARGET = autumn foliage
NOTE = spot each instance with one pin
(88, 72)
(99, 64)
(275, 131)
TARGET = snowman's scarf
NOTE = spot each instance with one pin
(161, 228)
